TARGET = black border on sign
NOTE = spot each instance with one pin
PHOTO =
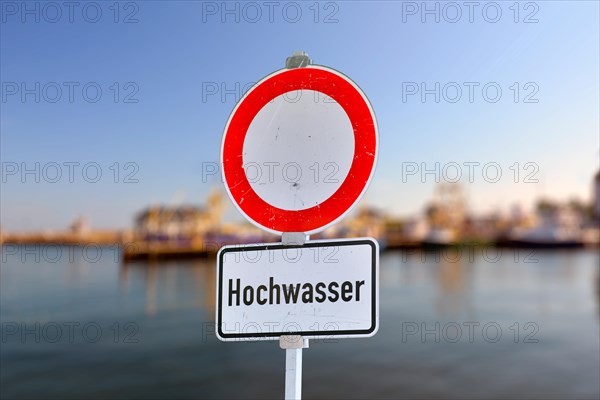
(278, 246)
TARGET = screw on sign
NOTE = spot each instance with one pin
(298, 152)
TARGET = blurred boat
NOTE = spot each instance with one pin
(558, 229)
(541, 237)
(439, 237)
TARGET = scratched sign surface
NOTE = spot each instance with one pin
(319, 290)
(299, 150)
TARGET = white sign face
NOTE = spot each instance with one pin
(308, 146)
(318, 290)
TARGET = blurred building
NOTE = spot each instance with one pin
(180, 222)
(446, 214)
(596, 195)
(368, 221)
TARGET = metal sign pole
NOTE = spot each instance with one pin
(293, 344)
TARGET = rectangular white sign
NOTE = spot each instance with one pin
(317, 290)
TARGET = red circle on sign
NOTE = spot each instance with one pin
(356, 106)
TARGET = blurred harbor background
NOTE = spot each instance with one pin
(112, 207)
(194, 230)
(497, 306)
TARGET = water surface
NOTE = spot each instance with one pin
(519, 324)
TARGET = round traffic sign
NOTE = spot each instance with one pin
(299, 149)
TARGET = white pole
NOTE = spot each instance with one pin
(293, 345)
(293, 374)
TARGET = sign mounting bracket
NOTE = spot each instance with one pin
(298, 59)
(293, 238)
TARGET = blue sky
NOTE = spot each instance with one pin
(176, 50)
